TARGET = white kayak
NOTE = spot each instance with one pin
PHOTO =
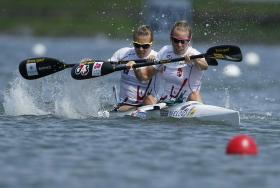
(185, 110)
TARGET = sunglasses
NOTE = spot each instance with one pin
(182, 41)
(143, 45)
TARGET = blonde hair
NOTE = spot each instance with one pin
(143, 30)
(181, 25)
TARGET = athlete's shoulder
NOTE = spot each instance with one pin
(153, 52)
(193, 51)
(125, 50)
(122, 53)
(165, 50)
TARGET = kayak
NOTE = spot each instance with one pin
(190, 110)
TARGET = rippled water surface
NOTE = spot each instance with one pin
(50, 135)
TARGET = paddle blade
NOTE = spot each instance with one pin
(225, 52)
(35, 68)
(91, 70)
(211, 61)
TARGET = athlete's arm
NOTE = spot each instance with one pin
(199, 62)
(142, 73)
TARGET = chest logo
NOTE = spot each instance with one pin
(179, 72)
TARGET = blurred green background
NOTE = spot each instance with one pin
(215, 21)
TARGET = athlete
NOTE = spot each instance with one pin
(132, 91)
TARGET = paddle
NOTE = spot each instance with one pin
(96, 69)
(34, 68)
(222, 52)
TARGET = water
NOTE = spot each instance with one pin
(51, 137)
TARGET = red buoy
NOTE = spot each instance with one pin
(242, 145)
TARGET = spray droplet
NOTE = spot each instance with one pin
(39, 49)
(252, 58)
(232, 71)
(227, 99)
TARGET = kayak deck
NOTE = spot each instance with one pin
(186, 110)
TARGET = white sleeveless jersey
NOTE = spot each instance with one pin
(133, 91)
(178, 78)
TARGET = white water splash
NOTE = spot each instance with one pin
(60, 96)
(65, 108)
(18, 101)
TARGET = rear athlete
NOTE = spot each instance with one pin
(132, 91)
